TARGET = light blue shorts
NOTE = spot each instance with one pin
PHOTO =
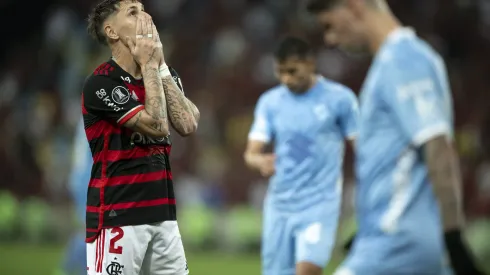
(307, 236)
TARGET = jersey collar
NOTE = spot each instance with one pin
(121, 73)
(393, 37)
(399, 33)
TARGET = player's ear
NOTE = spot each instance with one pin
(110, 32)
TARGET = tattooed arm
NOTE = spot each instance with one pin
(149, 119)
(444, 173)
(184, 115)
(194, 110)
(192, 106)
(147, 52)
(153, 120)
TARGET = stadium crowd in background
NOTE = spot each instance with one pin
(223, 51)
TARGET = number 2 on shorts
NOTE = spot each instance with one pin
(118, 234)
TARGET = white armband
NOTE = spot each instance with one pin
(164, 71)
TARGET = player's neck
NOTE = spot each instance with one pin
(122, 56)
(381, 25)
(311, 84)
(313, 80)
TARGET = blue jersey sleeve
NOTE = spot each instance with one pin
(349, 115)
(420, 102)
(261, 129)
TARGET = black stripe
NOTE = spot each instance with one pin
(93, 196)
(92, 220)
(136, 166)
(127, 139)
(96, 145)
(120, 142)
(140, 215)
(96, 172)
(144, 165)
(138, 192)
(89, 120)
(90, 235)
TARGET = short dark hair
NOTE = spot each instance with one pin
(317, 6)
(99, 15)
(293, 47)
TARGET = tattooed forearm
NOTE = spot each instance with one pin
(183, 113)
(194, 110)
(444, 174)
(134, 123)
(155, 102)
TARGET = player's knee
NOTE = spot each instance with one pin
(305, 268)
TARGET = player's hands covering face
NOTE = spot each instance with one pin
(267, 165)
(146, 48)
(160, 50)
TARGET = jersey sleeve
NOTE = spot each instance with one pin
(349, 115)
(420, 105)
(261, 129)
(110, 100)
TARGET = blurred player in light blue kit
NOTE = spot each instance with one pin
(408, 192)
(75, 256)
(308, 118)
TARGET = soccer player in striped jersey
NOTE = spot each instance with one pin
(129, 103)
(309, 118)
(408, 194)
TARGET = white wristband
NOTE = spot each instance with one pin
(164, 71)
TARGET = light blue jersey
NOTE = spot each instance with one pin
(308, 131)
(303, 199)
(405, 102)
(75, 261)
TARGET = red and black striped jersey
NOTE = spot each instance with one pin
(131, 180)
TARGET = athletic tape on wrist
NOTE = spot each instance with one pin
(164, 71)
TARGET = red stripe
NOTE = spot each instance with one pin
(103, 250)
(136, 152)
(139, 90)
(130, 114)
(101, 66)
(126, 205)
(84, 111)
(103, 69)
(99, 239)
(92, 230)
(97, 70)
(97, 247)
(131, 179)
(101, 128)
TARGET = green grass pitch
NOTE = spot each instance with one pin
(44, 260)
